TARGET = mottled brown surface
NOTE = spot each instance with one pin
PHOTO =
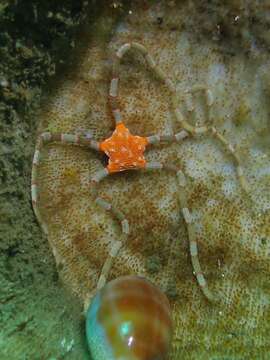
(232, 228)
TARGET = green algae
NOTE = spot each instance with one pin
(39, 319)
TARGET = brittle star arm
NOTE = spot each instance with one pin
(193, 246)
(195, 130)
(117, 244)
(114, 85)
(45, 139)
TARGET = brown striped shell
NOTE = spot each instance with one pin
(129, 318)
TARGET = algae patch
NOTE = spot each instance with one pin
(39, 320)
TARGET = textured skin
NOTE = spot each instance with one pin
(125, 151)
(232, 229)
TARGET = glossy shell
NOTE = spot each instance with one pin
(129, 319)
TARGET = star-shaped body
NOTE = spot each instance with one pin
(125, 151)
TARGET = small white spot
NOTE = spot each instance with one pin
(187, 215)
(114, 87)
(181, 135)
(123, 149)
(181, 178)
(46, 136)
(115, 248)
(88, 135)
(125, 226)
(231, 148)
(154, 165)
(193, 248)
(201, 280)
(130, 340)
(34, 192)
(36, 157)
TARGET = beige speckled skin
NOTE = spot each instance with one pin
(232, 228)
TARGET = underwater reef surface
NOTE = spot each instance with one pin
(194, 44)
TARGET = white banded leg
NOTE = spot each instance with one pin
(231, 150)
(34, 188)
(194, 130)
(98, 176)
(45, 139)
(114, 85)
(157, 139)
(149, 59)
(84, 140)
(193, 247)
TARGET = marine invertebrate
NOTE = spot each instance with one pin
(129, 318)
(125, 152)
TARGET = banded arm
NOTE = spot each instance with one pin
(189, 221)
(114, 85)
(116, 213)
(160, 74)
(47, 138)
(198, 130)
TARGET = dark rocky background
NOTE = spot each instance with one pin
(38, 318)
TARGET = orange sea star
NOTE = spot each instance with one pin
(125, 151)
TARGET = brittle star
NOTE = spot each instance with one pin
(126, 152)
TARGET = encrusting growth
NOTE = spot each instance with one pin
(126, 152)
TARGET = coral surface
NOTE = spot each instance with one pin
(232, 227)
